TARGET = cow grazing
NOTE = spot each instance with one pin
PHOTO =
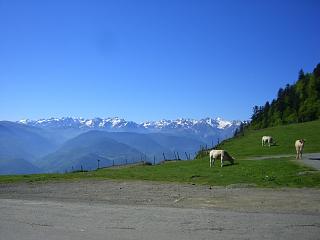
(224, 156)
(299, 144)
(266, 140)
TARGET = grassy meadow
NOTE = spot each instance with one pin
(285, 136)
(277, 172)
(281, 172)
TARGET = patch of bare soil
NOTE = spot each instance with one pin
(233, 197)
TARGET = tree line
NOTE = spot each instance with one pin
(299, 102)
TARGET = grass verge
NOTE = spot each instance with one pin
(281, 172)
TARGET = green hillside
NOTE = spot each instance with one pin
(295, 103)
(281, 172)
(249, 145)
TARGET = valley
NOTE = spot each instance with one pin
(58, 145)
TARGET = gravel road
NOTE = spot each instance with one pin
(312, 159)
(309, 159)
(143, 210)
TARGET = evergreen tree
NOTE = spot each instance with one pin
(299, 102)
(316, 71)
(301, 74)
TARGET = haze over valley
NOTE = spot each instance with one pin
(70, 144)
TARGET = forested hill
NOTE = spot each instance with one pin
(295, 103)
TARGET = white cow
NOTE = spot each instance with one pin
(224, 156)
(266, 140)
(299, 144)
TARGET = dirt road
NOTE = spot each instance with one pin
(145, 210)
(312, 160)
(309, 159)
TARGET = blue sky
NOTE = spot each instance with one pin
(149, 60)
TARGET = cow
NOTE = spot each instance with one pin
(299, 144)
(224, 156)
(266, 140)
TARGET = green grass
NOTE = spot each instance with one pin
(264, 173)
(280, 172)
(285, 136)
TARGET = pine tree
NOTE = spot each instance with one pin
(299, 102)
(301, 74)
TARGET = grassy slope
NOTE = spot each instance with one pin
(285, 136)
(266, 173)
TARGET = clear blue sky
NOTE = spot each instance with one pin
(148, 60)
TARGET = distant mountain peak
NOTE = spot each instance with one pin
(120, 123)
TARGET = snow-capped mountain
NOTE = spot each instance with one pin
(116, 123)
(70, 122)
(207, 129)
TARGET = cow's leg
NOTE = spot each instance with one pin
(213, 159)
(222, 160)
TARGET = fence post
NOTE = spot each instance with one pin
(164, 157)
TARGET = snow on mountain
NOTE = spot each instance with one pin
(118, 123)
(207, 130)
(222, 124)
(189, 123)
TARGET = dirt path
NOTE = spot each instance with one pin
(143, 210)
(310, 159)
(54, 220)
(135, 193)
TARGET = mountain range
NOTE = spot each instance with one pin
(66, 144)
(121, 124)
